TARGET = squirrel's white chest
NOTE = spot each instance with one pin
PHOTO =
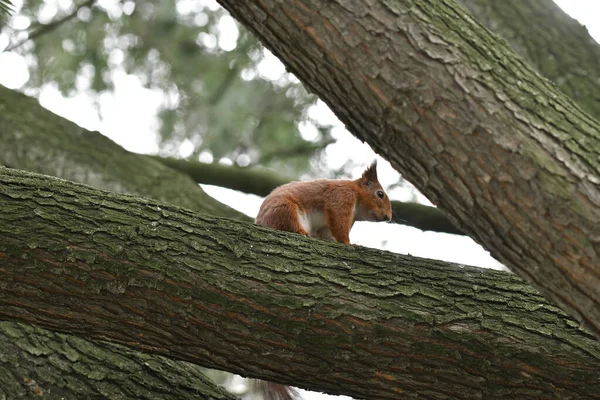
(315, 223)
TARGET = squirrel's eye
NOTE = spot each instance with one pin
(380, 194)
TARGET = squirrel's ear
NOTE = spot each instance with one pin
(370, 174)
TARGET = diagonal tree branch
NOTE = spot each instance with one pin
(35, 362)
(279, 306)
(509, 159)
(558, 46)
(261, 182)
(34, 139)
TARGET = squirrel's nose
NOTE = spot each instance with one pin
(388, 218)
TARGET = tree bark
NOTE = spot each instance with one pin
(279, 306)
(36, 363)
(262, 182)
(34, 139)
(510, 159)
(558, 46)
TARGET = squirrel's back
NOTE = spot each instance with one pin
(301, 207)
(326, 208)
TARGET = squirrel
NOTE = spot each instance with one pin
(325, 209)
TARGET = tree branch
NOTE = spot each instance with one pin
(248, 180)
(34, 139)
(38, 363)
(262, 182)
(511, 160)
(278, 306)
(37, 140)
(558, 46)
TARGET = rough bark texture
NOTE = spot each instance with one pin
(36, 363)
(34, 139)
(558, 46)
(261, 183)
(510, 159)
(279, 306)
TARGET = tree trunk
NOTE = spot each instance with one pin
(262, 182)
(279, 306)
(36, 363)
(508, 157)
(34, 139)
(558, 46)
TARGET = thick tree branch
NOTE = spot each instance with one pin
(276, 305)
(510, 159)
(558, 46)
(262, 182)
(34, 139)
(36, 363)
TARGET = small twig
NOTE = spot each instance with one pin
(51, 26)
(6, 7)
(224, 86)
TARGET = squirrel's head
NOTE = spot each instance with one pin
(373, 203)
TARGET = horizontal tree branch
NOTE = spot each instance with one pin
(279, 306)
(35, 362)
(262, 182)
(510, 159)
(248, 180)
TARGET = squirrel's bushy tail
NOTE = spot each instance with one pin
(274, 391)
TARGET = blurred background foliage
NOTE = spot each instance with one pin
(217, 94)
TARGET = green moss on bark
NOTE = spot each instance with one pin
(275, 305)
(37, 363)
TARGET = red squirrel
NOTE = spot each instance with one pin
(326, 209)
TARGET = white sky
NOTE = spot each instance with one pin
(128, 116)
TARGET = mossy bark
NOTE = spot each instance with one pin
(279, 306)
(559, 47)
(37, 363)
(510, 159)
(34, 139)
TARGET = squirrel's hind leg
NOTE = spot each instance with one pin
(284, 217)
